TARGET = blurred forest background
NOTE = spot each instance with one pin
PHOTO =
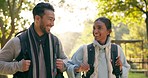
(129, 20)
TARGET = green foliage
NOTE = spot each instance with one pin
(3, 7)
(10, 19)
(127, 6)
(86, 36)
(126, 9)
(128, 21)
(68, 40)
(127, 24)
(137, 31)
(136, 75)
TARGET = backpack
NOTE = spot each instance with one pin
(91, 58)
(25, 54)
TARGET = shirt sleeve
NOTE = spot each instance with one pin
(75, 61)
(125, 65)
(9, 52)
(63, 56)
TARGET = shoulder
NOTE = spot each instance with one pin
(120, 51)
(79, 51)
(116, 47)
(86, 46)
(14, 41)
(119, 47)
(12, 47)
(54, 37)
(78, 55)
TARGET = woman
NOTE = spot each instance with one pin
(102, 59)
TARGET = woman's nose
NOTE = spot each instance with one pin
(96, 31)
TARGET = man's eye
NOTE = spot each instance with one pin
(49, 18)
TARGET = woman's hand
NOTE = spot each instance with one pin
(82, 68)
(119, 63)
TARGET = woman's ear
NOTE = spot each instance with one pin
(109, 31)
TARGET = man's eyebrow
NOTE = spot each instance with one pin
(50, 17)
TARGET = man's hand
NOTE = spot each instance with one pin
(26, 65)
(60, 64)
(83, 67)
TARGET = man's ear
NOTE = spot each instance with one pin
(37, 18)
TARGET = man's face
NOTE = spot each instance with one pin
(47, 21)
(100, 32)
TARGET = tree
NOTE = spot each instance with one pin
(10, 18)
(68, 40)
(128, 8)
(86, 36)
(133, 14)
(120, 30)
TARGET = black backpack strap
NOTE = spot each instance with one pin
(55, 46)
(56, 55)
(24, 47)
(24, 54)
(91, 59)
(114, 55)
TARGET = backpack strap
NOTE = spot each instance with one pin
(24, 54)
(56, 55)
(55, 45)
(114, 55)
(91, 59)
(24, 47)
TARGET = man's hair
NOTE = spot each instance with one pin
(40, 8)
(106, 21)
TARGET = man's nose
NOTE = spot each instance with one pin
(52, 23)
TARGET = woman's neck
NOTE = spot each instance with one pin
(103, 42)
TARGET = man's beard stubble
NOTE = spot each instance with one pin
(43, 28)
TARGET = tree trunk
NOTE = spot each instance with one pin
(146, 21)
(3, 41)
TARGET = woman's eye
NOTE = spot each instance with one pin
(99, 28)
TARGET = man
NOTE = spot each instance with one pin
(102, 66)
(40, 59)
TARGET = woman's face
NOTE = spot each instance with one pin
(100, 32)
